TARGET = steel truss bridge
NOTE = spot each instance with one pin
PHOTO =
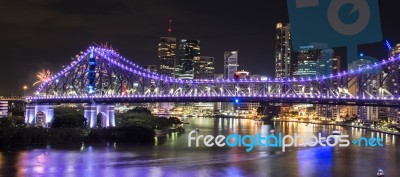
(102, 76)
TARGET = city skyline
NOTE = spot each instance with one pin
(199, 88)
(137, 41)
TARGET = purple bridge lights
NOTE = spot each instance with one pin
(100, 77)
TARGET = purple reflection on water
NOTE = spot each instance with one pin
(172, 157)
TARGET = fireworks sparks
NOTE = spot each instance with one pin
(106, 46)
(42, 76)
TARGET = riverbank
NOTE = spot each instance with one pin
(340, 124)
(166, 131)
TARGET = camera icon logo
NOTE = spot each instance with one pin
(349, 29)
(334, 23)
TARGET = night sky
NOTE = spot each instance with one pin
(45, 34)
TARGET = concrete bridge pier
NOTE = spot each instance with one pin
(105, 112)
(39, 114)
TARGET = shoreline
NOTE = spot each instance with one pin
(342, 125)
(317, 123)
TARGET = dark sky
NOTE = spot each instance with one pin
(38, 34)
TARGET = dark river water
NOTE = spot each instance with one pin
(172, 156)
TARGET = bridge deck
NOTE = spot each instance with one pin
(384, 102)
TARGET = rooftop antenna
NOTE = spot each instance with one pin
(169, 27)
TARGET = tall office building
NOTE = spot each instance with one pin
(166, 54)
(203, 67)
(283, 51)
(284, 64)
(394, 72)
(329, 64)
(394, 51)
(373, 86)
(188, 48)
(306, 65)
(336, 64)
(231, 59)
(393, 80)
(325, 62)
(230, 63)
(311, 62)
(167, 57)
(307, 62)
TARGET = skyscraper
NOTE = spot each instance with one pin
(393, 81)
(230, 68)
(325, 62)
(329, 64)
(394, 51)
(283, 51)
(203, 67)
(373, 86)
(230, 63)
(188, 48)
(167, 57)
(307, 62)
(166, 54)
(394, 72)
(336, 64)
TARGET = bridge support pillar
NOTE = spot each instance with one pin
(90, 113)
(105, 112)
(39, 114)
(30, 114)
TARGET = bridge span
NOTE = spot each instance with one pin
(100, 77)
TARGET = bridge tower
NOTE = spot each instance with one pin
(92, 111)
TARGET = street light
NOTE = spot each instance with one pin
(25, 87)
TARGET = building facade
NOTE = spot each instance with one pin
(230, 64)
(326, 62)
(307, 62)
(392, 82)
(336, 64)
(203, 67)
(188, 49)
(283, 51)
(167, 56)
(366, 113)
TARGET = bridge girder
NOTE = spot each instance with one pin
(119, 80)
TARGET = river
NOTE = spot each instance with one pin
(172, 156)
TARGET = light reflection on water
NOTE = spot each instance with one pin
(173, 157)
